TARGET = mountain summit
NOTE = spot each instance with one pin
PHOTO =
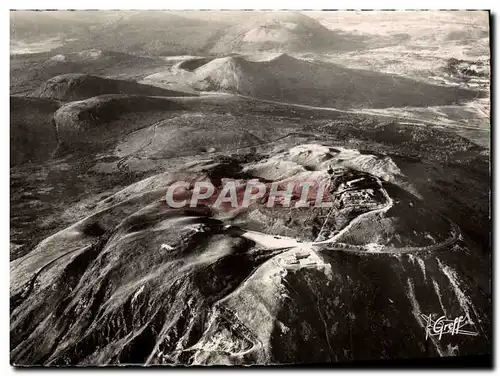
(282, 31)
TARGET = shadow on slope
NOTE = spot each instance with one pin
(92, 121)
(287, 79)
(28, 71)
(77, 86)
(139, 282)
(33, 135)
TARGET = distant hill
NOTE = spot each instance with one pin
(77, 86)
(29, 71)
(151, 33)
(95, 120)
(41, 128)
(291, 80)
(156, 33)
(32, 26)
(283, 31)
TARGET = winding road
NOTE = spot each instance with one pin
(273, 242)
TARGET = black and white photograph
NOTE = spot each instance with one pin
(249, 187)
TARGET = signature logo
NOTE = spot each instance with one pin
(442, 325)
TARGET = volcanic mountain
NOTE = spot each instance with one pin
(139, 282)
(97, 119)
(104, 270)
(71, 87)
(283, 31)
(288, 79)
(168, 33)
(152, 33)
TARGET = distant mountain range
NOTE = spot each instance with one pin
(166, 33)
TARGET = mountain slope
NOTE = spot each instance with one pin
(33, 135)
(29, 26)
(283, 31)
(171, 33)
(77, 86)
(287, 79)
(138, 282)
(29, 71)
(151, 33)
(93, 121)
